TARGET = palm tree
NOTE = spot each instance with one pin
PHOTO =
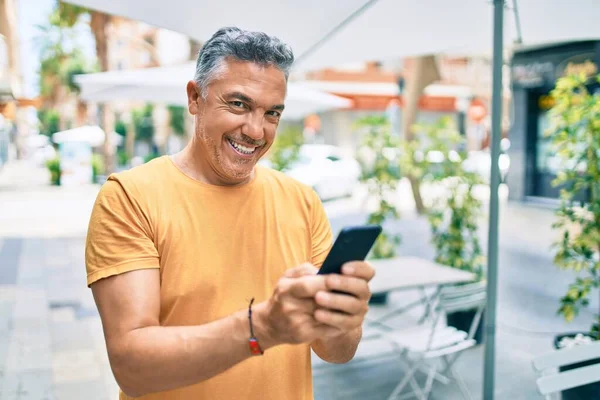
(69, 15)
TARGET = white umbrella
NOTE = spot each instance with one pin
(167, 85)
(90, 134)
(330, 32)
(358, 30)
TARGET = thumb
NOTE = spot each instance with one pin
(301, 270)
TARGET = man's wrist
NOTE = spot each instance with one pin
(262, 329)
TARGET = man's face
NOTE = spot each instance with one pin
(235, 125)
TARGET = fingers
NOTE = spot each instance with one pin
(341, 302)
(343, 322)
(306, 286)
(359, 269)
(357, 287)
(301, 270)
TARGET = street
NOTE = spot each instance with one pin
(51, 343)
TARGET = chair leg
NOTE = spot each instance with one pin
(430, 378)
(461, 384)
(398, 389)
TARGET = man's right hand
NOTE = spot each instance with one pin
(288, 316)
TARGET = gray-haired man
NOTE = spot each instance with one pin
(178, 247)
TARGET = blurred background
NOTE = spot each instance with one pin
(388, 118)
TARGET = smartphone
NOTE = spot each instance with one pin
(352, 244)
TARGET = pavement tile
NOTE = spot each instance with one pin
(72, 335)
(29, 346)
(88, 390)
(28, 385)
(72, 366)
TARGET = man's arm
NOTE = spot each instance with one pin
(146, 357)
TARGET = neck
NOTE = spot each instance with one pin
(192, 163)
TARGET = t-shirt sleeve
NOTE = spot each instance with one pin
(320, 232)
(119, 237)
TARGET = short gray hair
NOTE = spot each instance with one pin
(237, 44)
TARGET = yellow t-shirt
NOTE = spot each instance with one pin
(216, 247)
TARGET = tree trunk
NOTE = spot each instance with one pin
(424, 72)
(81, 118)
(99, 24)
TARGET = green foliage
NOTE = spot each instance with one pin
(151, 157)
(286, 148)
(122, 157)
(143, 123)
(49, 121)
(454, 214)
(60, 55)
(575, 136)
(177, 119)
(53, 166)
(378, 159)
(121, 128)
(97, 167)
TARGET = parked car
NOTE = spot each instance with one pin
(330, 171)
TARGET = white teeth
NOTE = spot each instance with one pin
(241, 148)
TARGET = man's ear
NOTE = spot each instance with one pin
(193, 94)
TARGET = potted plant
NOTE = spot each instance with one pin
(53, 166)
(381, 174)
(454, 213)
(97, 167)
(575, 136)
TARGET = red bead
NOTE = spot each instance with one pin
(255, 347)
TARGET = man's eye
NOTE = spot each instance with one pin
(237, 104)
(274, 113)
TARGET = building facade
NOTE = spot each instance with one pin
(533, 75)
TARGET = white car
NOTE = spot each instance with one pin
(327, 169)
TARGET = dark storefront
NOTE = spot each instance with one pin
(534, 73)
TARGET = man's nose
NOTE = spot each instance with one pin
(254, 126)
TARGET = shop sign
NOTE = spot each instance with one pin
(533, 74)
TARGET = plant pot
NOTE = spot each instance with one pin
(462, 320)
(379, 299)
(585, 392)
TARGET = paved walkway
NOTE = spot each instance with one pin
(51, 344)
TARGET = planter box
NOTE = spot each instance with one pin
(462, 320)
(379, 298)
(586, 392)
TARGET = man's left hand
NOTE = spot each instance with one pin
(346, 311)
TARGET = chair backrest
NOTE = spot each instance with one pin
(573, 377)
(463, 297)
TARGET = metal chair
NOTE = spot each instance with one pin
(554, 382)
(435, 347)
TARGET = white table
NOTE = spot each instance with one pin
(401, 273)
(404, 273)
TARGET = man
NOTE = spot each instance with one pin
(178, 247)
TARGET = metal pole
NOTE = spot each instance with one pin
(492, 269)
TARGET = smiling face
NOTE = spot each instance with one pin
(235, 125)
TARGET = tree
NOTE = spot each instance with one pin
(381, 174)
(454, 214)
(69, 15)
(575, 135)
(60, 61)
